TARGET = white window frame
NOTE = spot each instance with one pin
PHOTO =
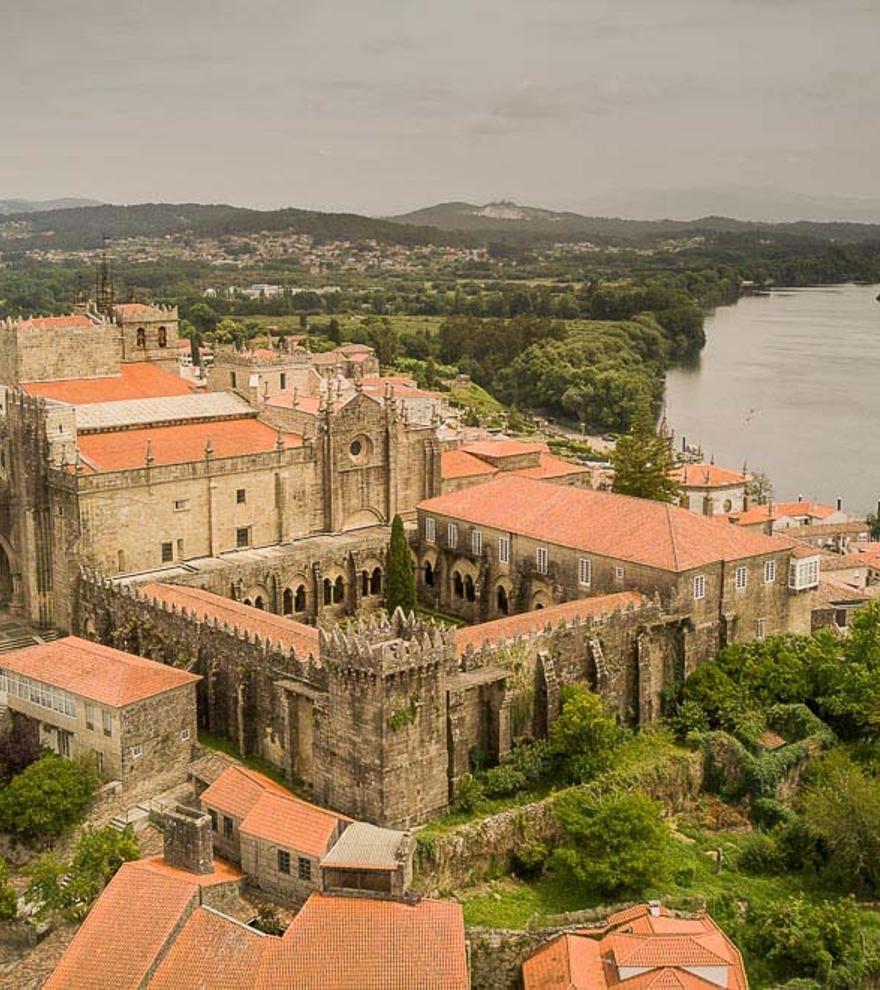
(619, 572)
(542, 560)
(184, 734)
(741, 578)
(803, 574)
(476, 543)
(699, 587)
(452, 534)
(430, 530)
(761, 628)
(585, 572)
(137, 752)
(503, 550)
(769, 571)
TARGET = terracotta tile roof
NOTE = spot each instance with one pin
(125, 932)
(505, 448)
(615, 526)
(710, 476)
(777, 510)
(668, 950)
(531, 622)
(551, 466)
(223, 872)
(140, 380)
(238, 789)
(286, 820)
(461, 464)
(212, 950)
(570, 962)
(122, 450)
(56, 322)
(96, 672)
(267, 625)
(342, 943)
(136, 309)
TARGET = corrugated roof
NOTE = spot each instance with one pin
(367, 847)
(130, 412)
(96, 672)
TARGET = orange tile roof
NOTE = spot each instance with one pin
(551, 466)
(505, 448)
(530, 622)
(616, 526)
(268, 626)
(122, 450)
(96, 672)
(212, 950)
(709, 476)
(570, 962)
(461, 464)
(342, 943)
(125, 932)
(140, 380)
(238, 789)
(223, 872)
(56, 322)
(286, 820)
(776, 510)
(668, 950)
(136, 309)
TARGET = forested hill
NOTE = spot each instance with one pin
(509, 221)
(85, 227)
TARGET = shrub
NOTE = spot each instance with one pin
(616, 843)
(768, 812)
(19, 746)
(759, 853)
(268, 920)
(47, 798)
(583, 738)
(529, 859)
(502, 780)
(8, 896)
(468, 794)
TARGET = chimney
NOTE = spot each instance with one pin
(654, 908)
(800, 498)
(839, 504)
(188, 844)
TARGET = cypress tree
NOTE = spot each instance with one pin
(401, 584)
(644, 464)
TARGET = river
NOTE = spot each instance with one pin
(790, 383)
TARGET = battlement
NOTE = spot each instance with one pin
(262, 358)
(143, 312)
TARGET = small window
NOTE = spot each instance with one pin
(282, 381)
(213, 815)
(283, 861)
(240, 496)
(452, 535)
(769, 571)
(430, 530)
(305, 868)
(584, 572)
(167, 552)
(541, 560)
(227, 827)
(107, 722)
(90, 715)
(137, 751)
(503, 550)
(233, 381)
(760, 628)
(476, 543)
(181, 504)
(699, 587)
(184, 734)
(180, 553)
(242, 537)
(742, 578)
(619, 573)
(162, 337)
(141, 337)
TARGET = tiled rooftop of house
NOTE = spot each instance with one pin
(122, 450)
(551, 466)
(56, 322)
(461, 464)
(140, 380)
(238, 789)
(366, 847)
(778, 510)
(525, 623)
(616, 526)
(505, 448)
(268, 626)
(135, 309)
(710, 476)
(96, 672)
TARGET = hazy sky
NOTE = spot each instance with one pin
(386, 105)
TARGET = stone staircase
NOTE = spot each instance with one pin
(18, 637)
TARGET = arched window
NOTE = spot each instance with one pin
(338, 590)
(163, 337)
(376, 581)
(141, 337)
(328, 591)
(457, 585)
(258, 602)
(501, 600)
(429, 574)
(287, 602)
(365, 584)
(299, 602)
(469, 591)
(247, 601)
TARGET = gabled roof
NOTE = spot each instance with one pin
(615, 526)
(505, 448)
(779, 510)
(710, 476)
(96, 672)
(551, 466)
(238, 789)
(139, 380)
(461, 464)
(267, 625)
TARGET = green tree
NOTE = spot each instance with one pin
(760, 489)
(616, 844)
(584, 737)
(873, 521)
(643, 461)
(46, 798)
(384, 338)
(203, 318)
(333, 331)
(8, 896)
(401, 582)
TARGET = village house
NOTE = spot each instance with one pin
(476, 462)
(777, 517)
(135, 718)
(643, 946)
(713, 491)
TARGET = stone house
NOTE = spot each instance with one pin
(136, 718)
(777, 517)
(478, 461)
(713, 491)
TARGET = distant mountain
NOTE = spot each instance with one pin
(8, 206)
(506, 220)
